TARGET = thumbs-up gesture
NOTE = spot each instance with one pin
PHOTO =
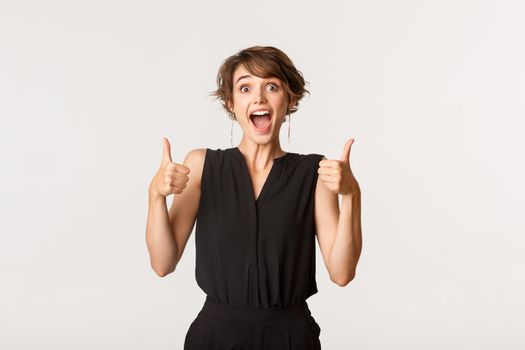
(171, 177)
(337, 175)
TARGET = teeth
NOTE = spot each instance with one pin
(260, 113)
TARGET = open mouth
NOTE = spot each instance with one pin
(262, 120)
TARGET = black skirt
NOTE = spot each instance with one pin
(224, 327)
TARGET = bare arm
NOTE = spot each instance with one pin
(185, 206)
(338, 229)
(339, 233)
(160, 240)
(168, 232)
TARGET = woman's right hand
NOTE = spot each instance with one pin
(171, 178)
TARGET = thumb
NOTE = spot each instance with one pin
(166, 150)
(345, 157)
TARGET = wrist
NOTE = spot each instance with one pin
(352, 196)
(154, 196)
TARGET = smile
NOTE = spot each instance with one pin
(261, 123)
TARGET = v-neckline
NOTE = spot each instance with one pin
(249, 177)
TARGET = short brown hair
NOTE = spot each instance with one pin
(265, 62)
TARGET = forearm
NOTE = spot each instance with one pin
(160, 239)
(346, 248)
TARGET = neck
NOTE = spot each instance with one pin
(260, 155)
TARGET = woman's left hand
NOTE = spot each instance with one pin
(337, 175)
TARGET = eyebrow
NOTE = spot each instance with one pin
(242, 77)
(246, 76)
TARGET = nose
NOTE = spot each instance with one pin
(259, 97)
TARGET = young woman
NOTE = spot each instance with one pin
(258, 210)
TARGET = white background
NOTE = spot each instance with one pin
(432, 91)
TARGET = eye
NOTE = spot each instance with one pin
(276, 87)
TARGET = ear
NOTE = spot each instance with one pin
(230, 105)
(292, 103)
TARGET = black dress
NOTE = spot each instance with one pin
(255, 257)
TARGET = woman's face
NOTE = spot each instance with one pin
(251, 94)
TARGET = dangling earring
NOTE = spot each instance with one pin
(289, 120)
(231, 134)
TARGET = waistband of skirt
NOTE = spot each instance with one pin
(242, 314)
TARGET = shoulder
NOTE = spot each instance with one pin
(314, 155)
(196, 155)
(195, 161)
(314, 158)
